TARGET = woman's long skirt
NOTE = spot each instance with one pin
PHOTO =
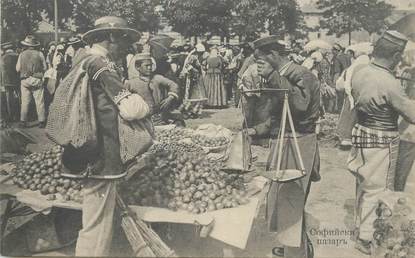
(215, 89)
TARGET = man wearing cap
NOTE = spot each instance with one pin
(286, 201)
(31, 65)
(159, 92)
(99, 161)
(10, 81)
(379, 100)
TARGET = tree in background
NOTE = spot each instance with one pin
(198, 17)
(249, 19)
(286, 18)
(20, 17)
(140, 14)
(344, 16)
(244, 18)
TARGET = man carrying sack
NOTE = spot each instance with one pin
(85, 117)
(286, 201)
(31, 64)
(379, 100)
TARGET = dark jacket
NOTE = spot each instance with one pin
(9, 75)
(106, 87)
(340, 63)
(153, 91)
(32, 63)
(304, 100)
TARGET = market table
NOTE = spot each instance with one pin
(231, 226)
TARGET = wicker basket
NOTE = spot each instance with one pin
(215, 149)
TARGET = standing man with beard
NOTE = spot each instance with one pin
(286, 201)
(97, 161)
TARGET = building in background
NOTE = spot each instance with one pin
(46, 33)
(313, 15)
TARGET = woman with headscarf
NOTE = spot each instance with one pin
(193, 74)
(215, 87)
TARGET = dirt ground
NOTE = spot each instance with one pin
(329, 207)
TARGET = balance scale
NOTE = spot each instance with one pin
(278, 174)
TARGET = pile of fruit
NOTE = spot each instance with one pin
(394, 235)
(191, 109)
(172, 135)
(152, 186)
(210, 142)
(185, 181)
(42, 172)
(175, 146)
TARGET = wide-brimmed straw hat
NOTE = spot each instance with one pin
(74, 40)
(7, 45)
(30, 41)
(111, 23)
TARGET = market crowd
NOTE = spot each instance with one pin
(198, 76)
(130, 82)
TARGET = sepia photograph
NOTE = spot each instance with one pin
(207, 128)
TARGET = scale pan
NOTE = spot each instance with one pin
(287, 175)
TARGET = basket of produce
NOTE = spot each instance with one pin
(394, 234)
(174, 134)
(211, 144)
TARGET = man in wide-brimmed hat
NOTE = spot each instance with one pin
(75, 45)
(31, 64)
(10, 82)
(99, 161)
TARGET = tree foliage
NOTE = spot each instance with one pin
(20, 17)
(344, 16)
(197, 17)
(246, 18)
(283, 16)
(140, 14)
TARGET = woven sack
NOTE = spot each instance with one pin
(72, 115)
(135, 137)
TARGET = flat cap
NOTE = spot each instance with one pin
(269, 40)
(395, 37)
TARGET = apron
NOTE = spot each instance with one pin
(286, 201)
